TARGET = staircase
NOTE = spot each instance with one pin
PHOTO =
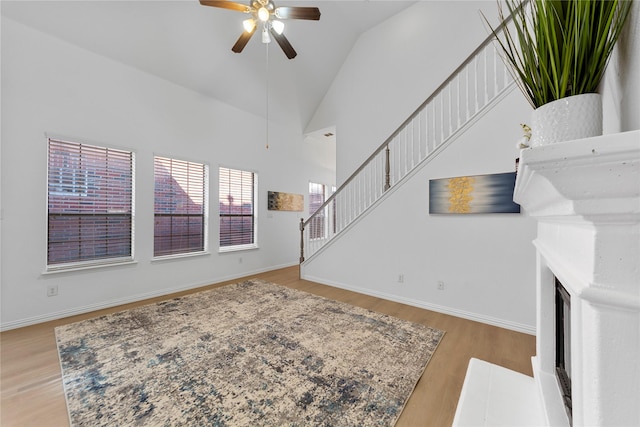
(478, 84)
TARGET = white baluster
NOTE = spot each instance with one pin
(411, 147)
(450, 111)
(507, 76)
(434, 143)
(475, 85)
(458, 102)
(441, 118)
(486, 78)
(495, 72)
(467, 101)
(422, 145)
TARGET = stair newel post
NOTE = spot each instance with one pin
(387, 169)
(301, 240)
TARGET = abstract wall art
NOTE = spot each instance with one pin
(278, 201)
(477, 194)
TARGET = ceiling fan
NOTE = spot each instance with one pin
(265, 13)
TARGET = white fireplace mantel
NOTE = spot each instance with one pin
(585, 195)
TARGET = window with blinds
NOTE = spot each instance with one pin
(237, 209)
(90, 204)
(180, 207)
(316, 199)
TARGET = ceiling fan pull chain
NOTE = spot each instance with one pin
(267, 76)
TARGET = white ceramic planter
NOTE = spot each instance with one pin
(565, 119)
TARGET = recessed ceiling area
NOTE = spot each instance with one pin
(190, 45)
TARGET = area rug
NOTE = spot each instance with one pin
(248, 354)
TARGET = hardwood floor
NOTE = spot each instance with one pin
(31, 385)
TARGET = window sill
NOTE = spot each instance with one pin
(237, 248)
(179, 256)
(80, 267)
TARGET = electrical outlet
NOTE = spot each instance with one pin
(401, 278)
(52, 290)
(440, 285)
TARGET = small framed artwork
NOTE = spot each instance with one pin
(278, 201)
(475, 194)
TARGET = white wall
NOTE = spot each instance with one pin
(620, 87)
(487, 262)
(49, 86)
(392, 69)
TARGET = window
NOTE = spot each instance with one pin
(180, 201)
(316, 199)
(237, 209)
(90, 205)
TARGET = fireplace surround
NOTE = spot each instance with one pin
(585, 196)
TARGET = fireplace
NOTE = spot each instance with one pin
(563, 344)
(585, 196)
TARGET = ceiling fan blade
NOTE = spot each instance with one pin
(243, 40)
(293, 12)
(227, 5)
(284, 44)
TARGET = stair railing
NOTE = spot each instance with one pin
(471, 90)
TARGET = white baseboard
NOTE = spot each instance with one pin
(518, 327)
(15, 324)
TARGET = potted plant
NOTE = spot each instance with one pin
(557, 51)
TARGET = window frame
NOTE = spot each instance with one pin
(82, 264)
(205, 208)
(323, 216)
(254, 205)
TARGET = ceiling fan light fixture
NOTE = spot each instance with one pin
(266, 13)
(263, 14)
(249, 25)
(266, 38)
(278, 26)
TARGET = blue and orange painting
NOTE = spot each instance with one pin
(476, 194)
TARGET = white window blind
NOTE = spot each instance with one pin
(316, 199)
(237, 210)
(90, 204)
(180, 207)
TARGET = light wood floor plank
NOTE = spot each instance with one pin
(31, 384)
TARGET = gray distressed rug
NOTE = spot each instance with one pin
(248, 354)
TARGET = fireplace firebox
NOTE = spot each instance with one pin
(563, 344)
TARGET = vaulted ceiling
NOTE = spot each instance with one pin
(190, 45)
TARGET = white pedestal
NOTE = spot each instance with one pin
(495, 396)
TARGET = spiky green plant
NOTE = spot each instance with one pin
(559, 48)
